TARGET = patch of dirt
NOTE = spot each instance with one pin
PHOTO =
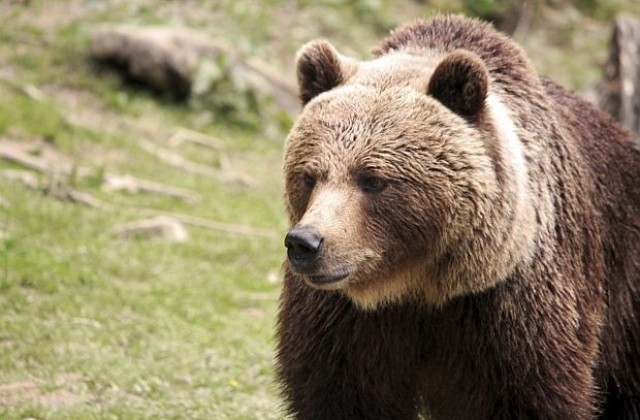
(51, 14)
(84, 109)
(55, 393)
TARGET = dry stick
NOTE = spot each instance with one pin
(38, 165)
(233, 175)
(28, 90)
(23, 159)
(19, 157)
(177, 160)
(30, 181)
(30, 162)
(133, 184)
(89, 200)
(195, 137)
(269, 73)
(234, 229)
(80, 197)
(35, 164)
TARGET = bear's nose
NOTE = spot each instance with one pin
(303, 246)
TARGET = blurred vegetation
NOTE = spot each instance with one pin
(93, 326)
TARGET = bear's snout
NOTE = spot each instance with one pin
(304, 244)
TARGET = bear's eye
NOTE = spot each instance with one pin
(372, 184)
(308, 180)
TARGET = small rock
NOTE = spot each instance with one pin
(120, 183)
(160, 227)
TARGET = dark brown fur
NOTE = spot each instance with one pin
(319, 72)
(461, 83)
(557, 338)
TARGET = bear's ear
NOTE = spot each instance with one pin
(320, 68)
(461, 83)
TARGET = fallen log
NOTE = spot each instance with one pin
(169, 59)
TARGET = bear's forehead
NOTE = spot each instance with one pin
(360, 125)
(376, 91)
(366, 109)
(396, 70)
(383, 106)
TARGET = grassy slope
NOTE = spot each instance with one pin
(95, 327)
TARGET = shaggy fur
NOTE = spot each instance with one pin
(479, 232)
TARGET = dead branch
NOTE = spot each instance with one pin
(233, 229)
(227, 228)
(185, 135)
(132, 184)
(233, 176)
(25, 160)
(178, 161)
(62, 193)
(17, 154)
(75, 196)
(28, 90)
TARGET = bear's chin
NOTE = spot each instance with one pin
(369, 292)
(374, 293)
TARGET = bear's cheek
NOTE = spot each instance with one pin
(406, 225)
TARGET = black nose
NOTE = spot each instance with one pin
(303, 245)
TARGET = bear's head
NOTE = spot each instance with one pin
(405, 178)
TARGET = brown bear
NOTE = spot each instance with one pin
(465, 238)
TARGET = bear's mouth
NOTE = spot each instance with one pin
(327, 279)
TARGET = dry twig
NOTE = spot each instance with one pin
(233, 229)
(178, 161)
(185, 135)
(131, 184)
(11, 152)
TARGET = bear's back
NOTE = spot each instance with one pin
(613, 156)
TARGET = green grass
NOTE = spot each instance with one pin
(93, 326)
(145, 328)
